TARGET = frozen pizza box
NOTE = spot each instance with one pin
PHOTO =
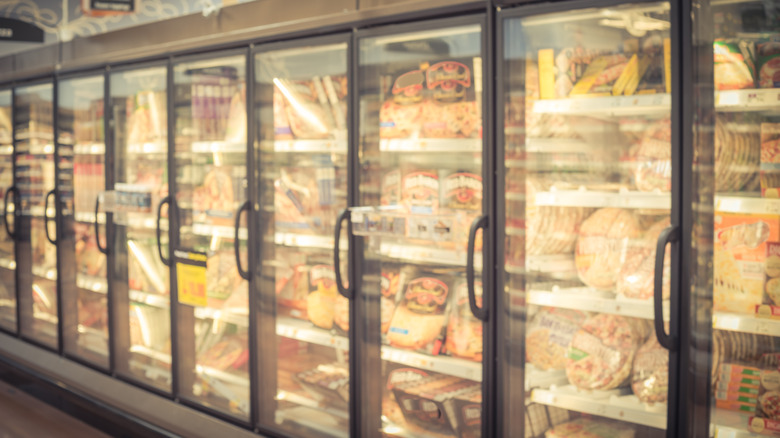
(465, 411)
(741, 242)
(328, 384)
(767, 405)
(423, 401)
(770, 307)
(770, 160)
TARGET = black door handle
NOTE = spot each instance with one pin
(166, 200)
(344, 291)
(670, 234)
(246, 275)
(46, 218)
(97, 229)
(479, 312)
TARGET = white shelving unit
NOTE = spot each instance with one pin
(762, 99)
(305, 331)
(599, 199)
(450, 145)
(428, 254)
(147, 148)
(441, 364)
(94, 284)
(208, 147)
(322, 146)
(745, 323)
(746, 204)
(89, 148)
(587, 299)
(305, 240)
(7, 263)
(617, 106)
(222, 231)
(47, 273)
(161, 301)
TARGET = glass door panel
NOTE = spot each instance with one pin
(7, 245)
(34, 152)
(301, 104)
(421, 155)
(138, 106)
(81, 179)
(587, 143)
(737, 283)
(211, 188)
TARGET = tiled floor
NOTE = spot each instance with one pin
(23, 416)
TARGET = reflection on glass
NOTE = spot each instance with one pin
(739, 243)
(7, 250)
(81, 148)
(138, 109)
(34, 152)
(588, 175)
(421, 189)
(301, 103)
(211, 184)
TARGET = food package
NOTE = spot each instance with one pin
(767, 406)
(653, 165)
(734, 64)
(602, 352)
(592, 428)
(292, 284)
(548, 336)
(5, 125)
(215, 196)
(465, 411)
(650, 373)
(420, 190)
(147, 118)
(327, 383)
(636, 278)
(222, 278)
(770, 160)
(235, 130)
(452, 109)
(304, 198)
(320, 303)
(769, 64)
(420, 320)
(550, 230)
(391, 188)
(737, 153)
(464, 330)
(602, 72)
(422, 401)
(282, 129)
(401, 115)
(601, 246)
(462, 190)
(740, 259)
(559, 72)
(89, 260)
(307, 108)
(391, 285)
(230, 352)
(771, 303)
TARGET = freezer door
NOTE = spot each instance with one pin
(211, 189)
(10, 196)
(81, 180)
(37, 231)
(300, 105)
(140, 277)
(734, 338)
(587, 185)
(420, 195)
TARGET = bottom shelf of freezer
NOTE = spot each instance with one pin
(731, 424)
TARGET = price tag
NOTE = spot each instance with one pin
(191, 277)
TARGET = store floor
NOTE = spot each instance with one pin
(24, 416)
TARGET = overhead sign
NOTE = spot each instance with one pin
(95, 8)
(12, 29)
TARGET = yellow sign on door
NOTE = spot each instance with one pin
(191, 278)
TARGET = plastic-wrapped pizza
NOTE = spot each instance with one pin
(637, 275)
(390, 286)
(548, 336)
(601, 245)
(464, 330)
(420, 320)
(650, 376)
(591, 428)
(322, 296)
(653, 165)
(602, 352)
(402, 114)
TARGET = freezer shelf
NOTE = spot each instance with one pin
(746, 204)
(147, 148)
(292, 397)
(300, 415)
(584, 298)
(536, 378)
(745, 323)
(241, 320)
(764, 99)
(430, 145)
(428, 254)
(89, 149)
(6, 149)
(304, 331)
(222, 231)
(321, 146)
(306, 241)
(7, 263)
(49, 274)
(94, 284)
(556, 145)
(200, 147)
(161, 301)
(599, 199)
(616, 404)
(618, 106)
(440, 364)
(731, 424)
(35, 149)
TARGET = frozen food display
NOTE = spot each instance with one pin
(601, 244)
(549, 335)
(8, 300)
(464, 331)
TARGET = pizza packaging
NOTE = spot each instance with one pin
(464, 330)
(292, 284)
(391, 188)
(601, 246)
(392, 286)
(770, 160)
(768, 63)
(321, 301)
(767, 405)
(423, 402)
(602, 352)
(465, 411)
(548, 336)
(452, 109)
(636, 278)
(420, 320)
(327, 383)
(307, 108)
(734, 64)
(592, 428)
(420, 190)
(653, 165)
(304, 197)
(740, 255)
(401, 115)
(650, 374)
(222, 278)
(462, 191)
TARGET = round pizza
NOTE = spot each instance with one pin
(601, 246)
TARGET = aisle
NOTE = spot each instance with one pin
(24, 416)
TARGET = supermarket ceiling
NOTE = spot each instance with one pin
(62, 20)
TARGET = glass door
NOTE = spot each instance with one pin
(737, 293)
(37, 231)
(140, 275)
(10, 198)
(301, 96)
(588, 176)
(420, 195)
(81, 180)
(211, 191)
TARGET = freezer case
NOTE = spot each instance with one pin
(420, 194)
(36, 228)
(10, 197)
(210, 260)
(739, 243)
(588, 171)
(301, 97)
(140, 271)
(81, 180)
